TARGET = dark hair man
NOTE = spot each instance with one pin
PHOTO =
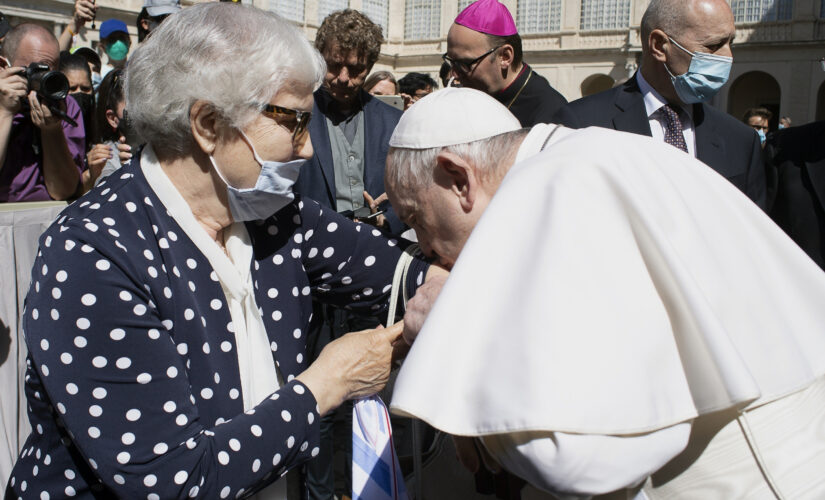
(759, 120)
(350, 135)
(41, 155)
(484, 51)
(414, 86)
(686, 59)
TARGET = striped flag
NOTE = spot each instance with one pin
(376, 474)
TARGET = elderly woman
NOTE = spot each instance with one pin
(166, 336)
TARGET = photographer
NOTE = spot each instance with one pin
(41, 154)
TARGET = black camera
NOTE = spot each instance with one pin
(52, 86)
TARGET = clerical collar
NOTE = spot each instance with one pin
(510, 93)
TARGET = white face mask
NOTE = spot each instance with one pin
(272, 191)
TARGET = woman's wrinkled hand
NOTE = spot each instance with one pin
(353, 366)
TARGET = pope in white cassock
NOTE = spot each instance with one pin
(619, 319)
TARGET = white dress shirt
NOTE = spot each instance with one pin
(653, 104)
(259, 376)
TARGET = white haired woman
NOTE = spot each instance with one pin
(167, 316)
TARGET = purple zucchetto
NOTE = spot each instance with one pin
(488, 16)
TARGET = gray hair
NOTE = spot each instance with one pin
(665, 15)
(233, 56)
(413, 168)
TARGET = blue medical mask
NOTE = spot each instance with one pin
(706, 74)
(781, 126)
(272, 191)
(96, 79)
(762, 136)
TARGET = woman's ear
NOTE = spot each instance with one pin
(112, 119)
(454, 173)
(204, 121)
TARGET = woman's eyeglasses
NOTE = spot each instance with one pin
(300, 119)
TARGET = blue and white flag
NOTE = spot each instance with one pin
(376, 474)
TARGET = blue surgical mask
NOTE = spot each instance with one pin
(96, 79)
(781, 126)
(272, 191)
(762, 136)
(706, 74)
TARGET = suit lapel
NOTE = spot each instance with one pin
(320, 143)
(631, 115)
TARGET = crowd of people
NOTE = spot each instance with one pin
(601, 303)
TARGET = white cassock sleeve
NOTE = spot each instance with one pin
(586, 464)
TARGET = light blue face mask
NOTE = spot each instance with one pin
(762, 136)
(781, 126)
(96, 79)
(272, 191)
(706, 74)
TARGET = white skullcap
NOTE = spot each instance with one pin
(452, 116)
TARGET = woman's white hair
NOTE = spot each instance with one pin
(413, 168)
(234, 56)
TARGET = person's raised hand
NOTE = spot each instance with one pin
(96, 159)
(84, 11)
(124, 151)
(13, 89)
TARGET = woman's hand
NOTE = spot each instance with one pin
(353, 366)
(96, 159)
(124, 151)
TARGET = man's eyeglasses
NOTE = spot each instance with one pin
(301, 119)
(466, 66)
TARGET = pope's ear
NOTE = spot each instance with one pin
(454, 173)
(204, 121)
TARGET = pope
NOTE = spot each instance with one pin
(619, 319)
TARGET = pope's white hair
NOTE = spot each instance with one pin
(409, 168)
(233, 56)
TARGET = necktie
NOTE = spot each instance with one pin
(673, 128)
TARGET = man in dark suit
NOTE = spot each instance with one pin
(797, 160)
(686, 58)
(350, 133)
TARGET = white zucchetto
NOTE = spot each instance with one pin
(427, 123)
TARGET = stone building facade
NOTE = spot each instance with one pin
(580, 46)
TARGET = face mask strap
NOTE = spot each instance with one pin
(251, 147)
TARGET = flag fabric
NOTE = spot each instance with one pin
(376, 473)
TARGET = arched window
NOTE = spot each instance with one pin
(539, 16)
(754, 89)
(605, 14)
(422, 20)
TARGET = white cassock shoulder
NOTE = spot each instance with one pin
(635, 290)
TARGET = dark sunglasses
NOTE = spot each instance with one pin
(299, 129)
(465, 66)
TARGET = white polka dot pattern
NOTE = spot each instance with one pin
(142, 361)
